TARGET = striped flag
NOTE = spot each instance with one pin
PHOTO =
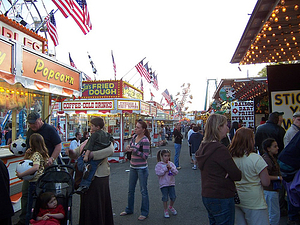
(71, 61)
(78, 11)
(155, 81)
(63, 6)
(167, 96)
(143, 71)
(114, 64)
(51, 26)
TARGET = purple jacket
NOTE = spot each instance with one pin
(162, 172)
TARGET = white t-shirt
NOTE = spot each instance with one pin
(249, 188)
(74, 144)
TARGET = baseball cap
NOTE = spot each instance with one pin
(32, 117)
(296, 114)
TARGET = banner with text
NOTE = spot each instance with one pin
(244, 111)
(287, 102)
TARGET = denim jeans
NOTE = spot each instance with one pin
(220, 211)
(272, 200)
(81, 165)
(168, 191)
(142, 176)
(31, 192)
(177, 154)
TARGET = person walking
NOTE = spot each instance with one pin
(195, 141)
(177, 144)
(253, 208)
(166, 171)
(140, 149)
(38, 154)
(218, 172)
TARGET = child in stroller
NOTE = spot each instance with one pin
(56, 183)
(50, 212)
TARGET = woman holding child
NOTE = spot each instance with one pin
(95, 207)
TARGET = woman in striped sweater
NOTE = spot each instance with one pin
(140, 149)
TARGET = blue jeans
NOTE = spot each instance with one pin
(177, 154)
(134, 175)
(168, 191)
(31, 192)
(81, 165)
(220, 211)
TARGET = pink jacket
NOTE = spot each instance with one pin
(163, 174)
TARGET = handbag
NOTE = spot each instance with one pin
(236, 198)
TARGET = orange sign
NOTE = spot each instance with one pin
(42, 69)
(5, 56)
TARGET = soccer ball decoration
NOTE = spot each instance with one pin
(18, 146)
(23, 166)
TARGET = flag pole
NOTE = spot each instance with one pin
(131, 69)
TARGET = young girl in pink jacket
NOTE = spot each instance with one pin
(166, 171)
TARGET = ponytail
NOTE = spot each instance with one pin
(158, 157)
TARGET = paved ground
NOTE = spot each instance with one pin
(188, 189)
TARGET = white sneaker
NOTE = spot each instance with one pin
(166, 214)
(173, 211)
(194, 167)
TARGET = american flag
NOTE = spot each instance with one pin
(78, 10)
(51, 26)
(143, 71)
(167, 96)
(71, 61)
(114, 64)
(63, 6)
(155, 81)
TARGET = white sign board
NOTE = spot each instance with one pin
(243, 110)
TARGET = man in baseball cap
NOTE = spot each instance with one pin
(295, 127)
(32, 117)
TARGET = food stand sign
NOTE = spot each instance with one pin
(43, 69)
(243, 110)
(101, 89)
(88, 105)
(128, 105)
(287, 102)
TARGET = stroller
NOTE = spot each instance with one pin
(56, 179)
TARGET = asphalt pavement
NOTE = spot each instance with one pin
(188, 190)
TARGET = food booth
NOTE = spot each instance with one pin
(29, 79)
(117, 102)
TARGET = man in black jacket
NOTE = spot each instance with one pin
(270, 129)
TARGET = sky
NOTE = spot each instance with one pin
(184, 42)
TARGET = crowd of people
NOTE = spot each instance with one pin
(245, 175)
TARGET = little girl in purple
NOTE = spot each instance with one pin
(166, 171)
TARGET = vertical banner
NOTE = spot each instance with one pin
(244, 111)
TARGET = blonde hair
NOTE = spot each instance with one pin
(211, 129)
(37, 144)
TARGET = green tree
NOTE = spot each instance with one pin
(263, 72)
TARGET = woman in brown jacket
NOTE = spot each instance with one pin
(218, 172)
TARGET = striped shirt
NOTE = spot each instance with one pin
(140, 152)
